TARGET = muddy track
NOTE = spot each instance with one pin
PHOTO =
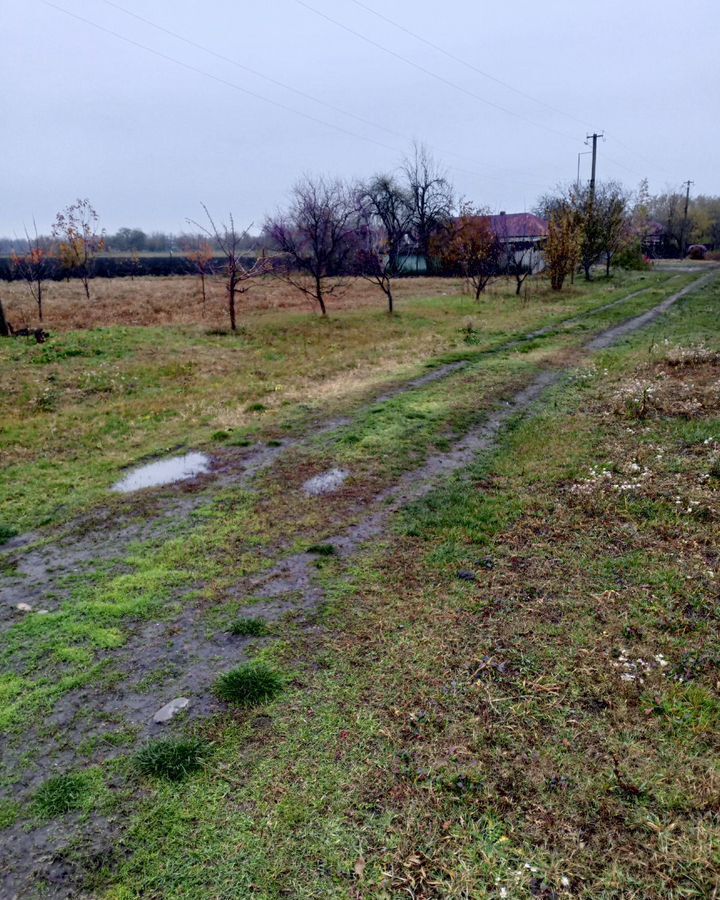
(43, 564)
(190, 656)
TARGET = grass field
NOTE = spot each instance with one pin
(79, 408)
(497, 681)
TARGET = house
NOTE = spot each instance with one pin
(653, 239)
(522, 234)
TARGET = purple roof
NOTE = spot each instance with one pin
(518, 225)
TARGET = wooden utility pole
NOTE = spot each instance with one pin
(594, 137)
(683, 236)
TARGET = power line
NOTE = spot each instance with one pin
(464, 62)
(491, 77)
(440, 78)
(258, 74)
(230, 84)
(198, 71)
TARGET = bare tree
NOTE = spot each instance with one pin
(34, 266)
(76, 227)
(384, 221)
(318, 237)
(200, 256)
(431, 197)
(239, 277)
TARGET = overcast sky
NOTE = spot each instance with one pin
(148, 133)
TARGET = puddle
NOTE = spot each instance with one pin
(164, 471)
(325, 483)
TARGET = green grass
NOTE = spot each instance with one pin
(65, 793)
(6, 533)
(85, 405)
(386, 746)
(458, 738)
(171, 759)
(249, 685)
(322, 549)
(249, 628)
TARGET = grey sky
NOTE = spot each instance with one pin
(87, 114)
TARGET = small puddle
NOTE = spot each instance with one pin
(326, 483)
(164, 471)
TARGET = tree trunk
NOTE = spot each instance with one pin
(608, 259)
(202, 282)
(86, 285)
(39, 301)
(518, 286)
(4, 327)
(231, 303)
(388, 292)
(319, 295)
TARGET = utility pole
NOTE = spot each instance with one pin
(683, 234)
(594, 138)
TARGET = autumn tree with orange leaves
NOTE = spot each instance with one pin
(76, 229)
(469, 246)
(34, 267)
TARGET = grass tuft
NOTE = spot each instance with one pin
(322, 549)
(61, 794)
(249, 685)
(249, 628)
(171, 759)
(6, 533)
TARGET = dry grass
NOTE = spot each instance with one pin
(177, 300)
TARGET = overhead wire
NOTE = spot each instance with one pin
(247, 91)
(458, 59)
(463, 62)
(441, 78)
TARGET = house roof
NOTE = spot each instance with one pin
(518, 225)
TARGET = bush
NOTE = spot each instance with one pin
(171, 759)
(632, 257)
(249, 685)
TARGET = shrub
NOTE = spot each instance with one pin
(249, 628)
(171, 759)
(249, 685)
(632, 257)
